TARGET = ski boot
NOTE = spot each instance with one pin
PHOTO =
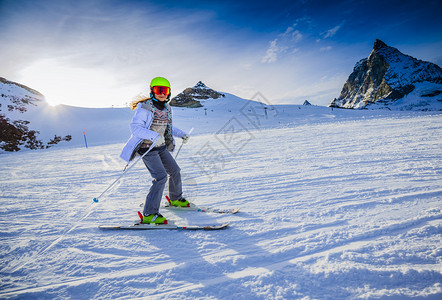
(152, 219)
(179, 203)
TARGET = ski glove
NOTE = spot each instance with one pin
(185, 138)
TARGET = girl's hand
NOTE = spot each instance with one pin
(185, 138)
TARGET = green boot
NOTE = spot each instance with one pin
(152, 219)
(180, 203)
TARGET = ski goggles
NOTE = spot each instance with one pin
(158, 90)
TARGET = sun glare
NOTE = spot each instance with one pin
(66, 84)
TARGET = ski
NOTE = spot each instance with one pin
(193, 207)
(139, 226)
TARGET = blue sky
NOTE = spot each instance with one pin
(99, 53)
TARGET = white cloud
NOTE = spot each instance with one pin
(327, 48)
(285, 42)
(272, 52)
(288, 30)
(296, 36)
(331, 32)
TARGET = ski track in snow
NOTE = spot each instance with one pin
(335, 209)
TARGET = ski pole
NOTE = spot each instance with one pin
(124, 172)
(178, 152)
(85, 141)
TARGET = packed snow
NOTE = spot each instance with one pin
(335, 204)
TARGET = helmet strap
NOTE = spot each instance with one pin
(152, 96)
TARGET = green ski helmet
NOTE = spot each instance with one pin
(159, 81)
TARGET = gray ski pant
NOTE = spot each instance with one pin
(160, 163)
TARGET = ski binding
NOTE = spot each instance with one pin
(193, 207)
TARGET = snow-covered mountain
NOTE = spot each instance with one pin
(17, 104)
(191, 97)
(390, 79)
(16, 96)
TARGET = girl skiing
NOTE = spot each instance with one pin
(152, 132)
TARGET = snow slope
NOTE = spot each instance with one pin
(335, 204)
(101, 125)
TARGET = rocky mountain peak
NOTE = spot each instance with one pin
(378, 44)
(200, 85)
(192, 97)
(387, 77)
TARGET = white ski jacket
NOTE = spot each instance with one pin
(140, 129)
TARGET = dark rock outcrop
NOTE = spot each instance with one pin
(386, 76)
(191, 97)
